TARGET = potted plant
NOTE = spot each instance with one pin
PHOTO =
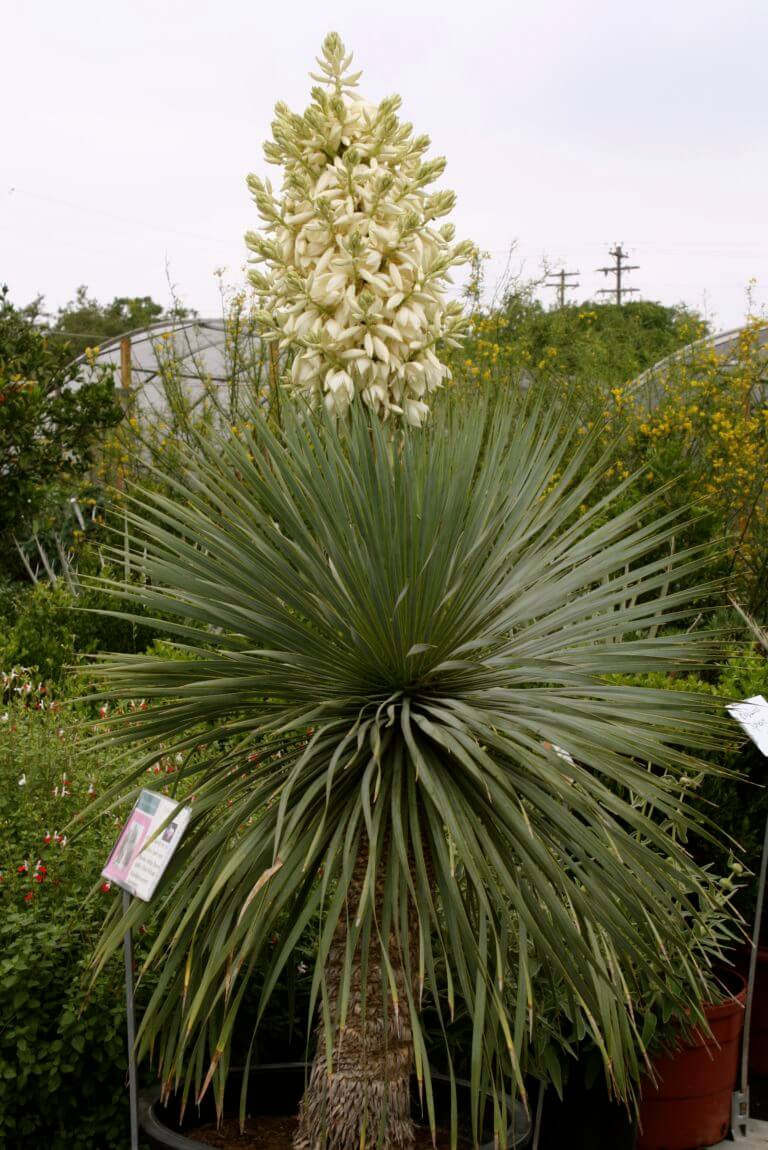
(684, 1073)
(686, 1103)
(686, 1095)
(388, 696)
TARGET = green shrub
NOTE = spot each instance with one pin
(62, 1046)
(51, 628)
(63, 1042)
(62, 1055)
(42, 635)
(737, 803)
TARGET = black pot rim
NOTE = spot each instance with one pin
(151, 1124)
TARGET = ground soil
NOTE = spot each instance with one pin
(275, 1132)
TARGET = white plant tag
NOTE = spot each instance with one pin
(752, 716)
(137, 867)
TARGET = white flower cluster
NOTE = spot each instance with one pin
(356, 272)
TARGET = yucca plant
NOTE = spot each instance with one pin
(390, 696)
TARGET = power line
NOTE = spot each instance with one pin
(561, 286)
(618, 269)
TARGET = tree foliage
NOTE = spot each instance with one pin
(50, 422)
(586, 346)
(84, 322)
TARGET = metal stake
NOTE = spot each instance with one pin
(131, 1025)
(539, 1115)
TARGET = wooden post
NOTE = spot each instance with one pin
(274, 384)
(125, 363)
(125, 397)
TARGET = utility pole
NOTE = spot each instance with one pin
(561, 286)
(618, 269)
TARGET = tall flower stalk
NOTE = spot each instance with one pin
(356, 266)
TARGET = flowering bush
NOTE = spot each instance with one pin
(586, 349)
(62, 1045)
(695, 426)
(704, 420)
(63, 1040)
(356, 279)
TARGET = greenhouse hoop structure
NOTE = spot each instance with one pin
(725, 345)
(221, 359)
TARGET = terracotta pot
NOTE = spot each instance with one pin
(690, 1103)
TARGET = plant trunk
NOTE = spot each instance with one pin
(364, 1100)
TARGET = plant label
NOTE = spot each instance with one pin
(146, 844)
(752, 716)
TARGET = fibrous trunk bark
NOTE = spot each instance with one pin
(364, 1100)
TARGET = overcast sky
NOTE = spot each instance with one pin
(127, 131)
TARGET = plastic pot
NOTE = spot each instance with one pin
(277, 1089)
(689, 1105)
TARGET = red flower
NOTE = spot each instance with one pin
(39, 877)
(28, 897)
(106, 886)
(23, 868)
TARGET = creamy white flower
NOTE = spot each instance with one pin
(355, 276)
(415, 412)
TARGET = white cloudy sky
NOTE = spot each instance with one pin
(127, 131)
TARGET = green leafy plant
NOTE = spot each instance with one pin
(51, 628)
(86, 323)
(63, 1052)
(397, 651)
(50, 423)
